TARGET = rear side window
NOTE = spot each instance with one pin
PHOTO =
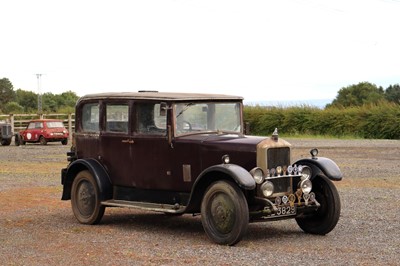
(90, 117)
(55, 124)
(117, 116)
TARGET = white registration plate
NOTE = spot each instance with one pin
(286, 211)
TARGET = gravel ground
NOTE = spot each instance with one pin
(37, 228)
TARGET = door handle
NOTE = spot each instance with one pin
(130, 141)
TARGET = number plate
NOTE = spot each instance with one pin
(285, 211)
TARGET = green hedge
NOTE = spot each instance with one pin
(380, 121)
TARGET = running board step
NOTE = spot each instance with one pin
(145, 206)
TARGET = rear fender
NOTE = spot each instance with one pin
(95, 168)
(322, 165)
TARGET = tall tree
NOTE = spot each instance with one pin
(66, 99)
(28, 100)
(7, 93)
(392, 93)
(357, 95)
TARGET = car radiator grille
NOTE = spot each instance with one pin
(6, 130)
(278, 157)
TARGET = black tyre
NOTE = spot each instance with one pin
(5, 142)
(326, 217)
(17, 140)
(43, 140)
(224, 213)
(64, 142)
(85, 200)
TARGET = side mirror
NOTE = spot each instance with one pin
(163, 109)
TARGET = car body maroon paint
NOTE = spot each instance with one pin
(183, 153)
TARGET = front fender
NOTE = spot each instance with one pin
(240, 175)
(232, 172)
(95, 168)
(325, 165)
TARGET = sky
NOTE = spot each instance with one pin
(286, 50)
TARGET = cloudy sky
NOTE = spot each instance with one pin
(262, 50)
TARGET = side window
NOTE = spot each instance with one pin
(151, 119)
(39, 125)
(90, 117)
(117, 116)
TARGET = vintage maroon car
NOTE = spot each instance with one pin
(43, 131)
(188, 153)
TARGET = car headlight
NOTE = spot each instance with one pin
(258, 175)
(306, 172)
(306, 185)
(267, 188)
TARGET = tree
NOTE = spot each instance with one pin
(358, 95)
(7, 93)
(392, 93)
(66, 99)
(28, 100)
(49, 101)
(13, 108)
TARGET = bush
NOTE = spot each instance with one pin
(373, 121)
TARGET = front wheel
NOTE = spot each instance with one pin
(43, 140)
(326, 217)
(85, 199)
(224, 213)
(64, 142)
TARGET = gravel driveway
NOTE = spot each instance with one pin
(37, 228)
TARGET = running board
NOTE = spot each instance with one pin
(145, 206)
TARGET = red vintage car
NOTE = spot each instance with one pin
(43, 131)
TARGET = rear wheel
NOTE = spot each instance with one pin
(224, 213)
(85, 199)
(64, 142)
(326, 217)
(43, 140)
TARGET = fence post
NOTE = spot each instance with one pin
(12, 122)
(70, 127)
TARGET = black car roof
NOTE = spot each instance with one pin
(167, 96)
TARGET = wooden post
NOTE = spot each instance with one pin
(12, 122)
(70, 127)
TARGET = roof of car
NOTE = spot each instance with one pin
(154, 95)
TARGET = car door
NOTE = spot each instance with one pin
(151, 157)
(116, 142)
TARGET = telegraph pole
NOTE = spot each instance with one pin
(39, 93)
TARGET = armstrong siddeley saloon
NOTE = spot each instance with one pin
(182, 153)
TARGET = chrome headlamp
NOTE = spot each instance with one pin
(267, 188)
(258, 175)
(306, 185)
(306, 172)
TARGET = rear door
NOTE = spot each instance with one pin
(116, 142)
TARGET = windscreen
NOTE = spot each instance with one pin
(207, 117)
